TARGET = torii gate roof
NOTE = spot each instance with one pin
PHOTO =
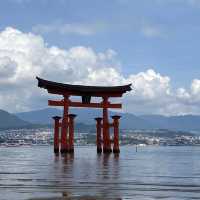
(82, 90)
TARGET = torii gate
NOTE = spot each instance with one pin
(67, 122)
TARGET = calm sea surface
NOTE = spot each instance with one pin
(151, 173)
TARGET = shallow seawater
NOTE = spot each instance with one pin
(169, 173)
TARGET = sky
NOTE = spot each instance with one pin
(153, 44)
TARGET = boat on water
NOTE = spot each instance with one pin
(141, 145)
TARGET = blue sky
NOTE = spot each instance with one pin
(172, 46)
(159, 34)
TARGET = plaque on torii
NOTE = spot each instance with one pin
(66, 122)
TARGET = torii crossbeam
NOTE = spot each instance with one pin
(67, 122)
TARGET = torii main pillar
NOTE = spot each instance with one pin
(106, 134)
(71, 133)
(99, 136)
(64, 126)
(116, 133)
(56, 134)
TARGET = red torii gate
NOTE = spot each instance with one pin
(67, 123)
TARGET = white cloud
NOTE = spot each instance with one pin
(149, 84)
(153, 93)
(195, 87)
(7, 67)
(23, 56)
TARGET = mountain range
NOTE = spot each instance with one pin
(128, 121)
(85, 120)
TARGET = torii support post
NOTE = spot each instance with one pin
(71, 133)
(106, 135)
(116, 133)
(64, 127)
(56, 133)
(98, 139)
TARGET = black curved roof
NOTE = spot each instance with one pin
(82, 90)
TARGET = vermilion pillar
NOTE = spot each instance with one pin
(106, 135)
(116, 133)
(71, 133)
(98, 128)
(56, 133)
(64, 129)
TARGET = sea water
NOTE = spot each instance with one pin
(169, 173)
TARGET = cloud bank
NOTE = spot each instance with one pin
(23, 56)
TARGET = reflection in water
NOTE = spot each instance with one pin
(153, 173)
(56, 157)
(101, 172)
(67, 163)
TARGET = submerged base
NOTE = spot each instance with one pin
(70, 151)
(116, 151)
(56, 150)
(63, 151)
(105, 150)
(99, 150)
